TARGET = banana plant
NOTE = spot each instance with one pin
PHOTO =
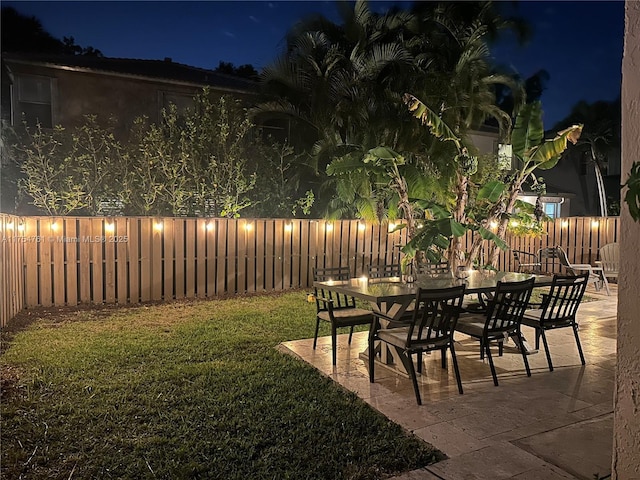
(532, 152)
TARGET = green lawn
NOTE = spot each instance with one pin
(186, 390)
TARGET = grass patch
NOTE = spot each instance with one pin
(186, 390)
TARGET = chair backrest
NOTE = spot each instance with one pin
(610, 258)
(564, 297)
(506, 308)
(564, 260)
(385, 271)
(431, 268)
(547, 258)
(435, 315)
(336, 274)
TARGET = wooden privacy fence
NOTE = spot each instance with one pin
(56, 261)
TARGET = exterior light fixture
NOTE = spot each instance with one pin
(158, 225)
(392, 227)
(9, 225)
(514, 223)
(209, 226)
(248, 227)
(54, 226)
(361, 226)
(564, 223)
(595, 223)
(493, 224)
(109, 227)
(288, 227)
(21, 227)
(328, 227)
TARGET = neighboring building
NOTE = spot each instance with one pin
(61, 90)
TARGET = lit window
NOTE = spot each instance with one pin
(551, 210)
(33, 95)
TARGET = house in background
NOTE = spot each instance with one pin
(51, 89)
(62, 89)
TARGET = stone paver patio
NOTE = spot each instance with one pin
(552, 425)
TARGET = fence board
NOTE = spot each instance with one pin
(134, 255)
(211, 257)
(201, 257)
(70, 295)
(122, 246)
(169, 258)
(108, 239)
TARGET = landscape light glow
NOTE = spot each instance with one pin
(10, 226)
(158, 226)
(21, 227)
(595, 223)
(564, 224)
(328, 227)
(248, 227)
(361, 227)
(209, 226)
(54, 226)
(109, 227)
(493, 224)
(288, 227)
(392, 227)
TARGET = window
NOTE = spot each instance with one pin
(33, 101)
(181, 101)
(552, 210)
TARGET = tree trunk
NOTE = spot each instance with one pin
(455, 255)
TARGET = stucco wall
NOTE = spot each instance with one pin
(626, 457)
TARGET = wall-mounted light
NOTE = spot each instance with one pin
(248, 227)
(288, 227)
(595, 223)
(21, 226)
(328, 227)
(54, 226)
(158, 225)
(392, 227)
(564, 223)
(109, 227)
(209, 226)
(9, 225)
(361, 226)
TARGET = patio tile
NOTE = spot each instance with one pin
(495, 462)
(584, 451)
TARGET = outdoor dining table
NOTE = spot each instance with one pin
(391, 297)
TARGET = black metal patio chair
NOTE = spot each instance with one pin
(501, 320)
(338, 309)
(430, 328)
(559, 309)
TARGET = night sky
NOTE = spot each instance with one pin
(578, 42)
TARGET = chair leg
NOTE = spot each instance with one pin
(546, 351)
(315, 335)
(482, 349)
(419, 362)
(414, 379)
(444, 357)
(575, 333)
(372, 350)
(537, 339)
(350, 334)
(524, 354)
(493, 368)
(334, 343)
(455, 368)
(501, 347)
